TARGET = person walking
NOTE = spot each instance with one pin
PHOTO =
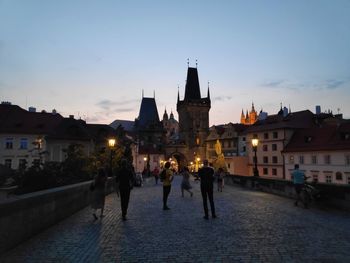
(98, 188)
(206, 176)
(299, 178)
(156, 174)
(125, 180)
(185, 184)
(220, 179)
(168, 178)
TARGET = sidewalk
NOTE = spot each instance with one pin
(251, 227)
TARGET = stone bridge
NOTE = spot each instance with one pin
(252, 226)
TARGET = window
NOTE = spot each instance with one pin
(228, 165)
(22, 164)
(338, 176)
(328, 179)
(265, 148)
(275, 135)
(314, 159)
(274, 159)
(266, 135)
(265, 171)
(347, 159)
(274, 171)
(327, 159)
(291, 159)
(274, 147)
(23, 143)
(301, 159)
(8, 163)
(265, 159)
(9, 143)
(315, 178)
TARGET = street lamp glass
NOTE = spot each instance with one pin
(255, 142)
(145, 159)
(111, 142)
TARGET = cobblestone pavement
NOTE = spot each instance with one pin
(251, 227)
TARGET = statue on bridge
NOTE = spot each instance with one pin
(220, 161)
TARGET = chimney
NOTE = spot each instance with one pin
(32, 109)
(71, 116)
(318, 109)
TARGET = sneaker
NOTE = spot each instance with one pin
(166, 208)
(214, 216)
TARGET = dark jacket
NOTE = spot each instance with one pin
(125, 178)
(206, 175)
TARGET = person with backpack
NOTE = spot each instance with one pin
(167, 177)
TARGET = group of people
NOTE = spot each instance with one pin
(124, 184)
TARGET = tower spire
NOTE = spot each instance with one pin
(188, 62)
(178, 93)
(196, 63)
(208, 95)
(142, 93)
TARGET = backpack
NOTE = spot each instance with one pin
(162, 175)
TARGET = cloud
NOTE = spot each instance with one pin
(222, 98)
(122, 105)
(273, 83)
(334, 83)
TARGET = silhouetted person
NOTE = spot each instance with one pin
(99, 192)
(169, 176)
(156, 174)
(125, 179)
(206, 175)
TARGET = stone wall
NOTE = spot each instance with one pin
(331, 195)
(24, 216)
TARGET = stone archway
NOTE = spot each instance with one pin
(179, 158)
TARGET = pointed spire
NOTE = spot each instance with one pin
(188, 62)
(289, 110)
(178, 93)
(253, 107)
(208, 95)
(142, 93)
(196, 63)
(154, 94)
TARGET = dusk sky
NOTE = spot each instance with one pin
(92, 59)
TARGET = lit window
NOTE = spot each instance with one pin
(23, 144)
(9, 143)
(291, 159)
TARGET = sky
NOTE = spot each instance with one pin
(94, 59)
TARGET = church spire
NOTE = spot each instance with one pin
(192, 90)
(208, 95)
(178, 93)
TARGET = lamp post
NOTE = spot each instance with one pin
(255, 142)
(111, 144)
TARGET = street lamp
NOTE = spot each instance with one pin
(111, 144)
(255, 142)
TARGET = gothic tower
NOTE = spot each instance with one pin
(193, 113)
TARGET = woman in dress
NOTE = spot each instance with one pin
(185, 184)
(99, 192)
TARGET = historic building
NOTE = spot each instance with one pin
(149, 136)
(249, 118)
(171, 126)
(193, 113)
(323, 152)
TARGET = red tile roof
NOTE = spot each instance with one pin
(326, 138)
